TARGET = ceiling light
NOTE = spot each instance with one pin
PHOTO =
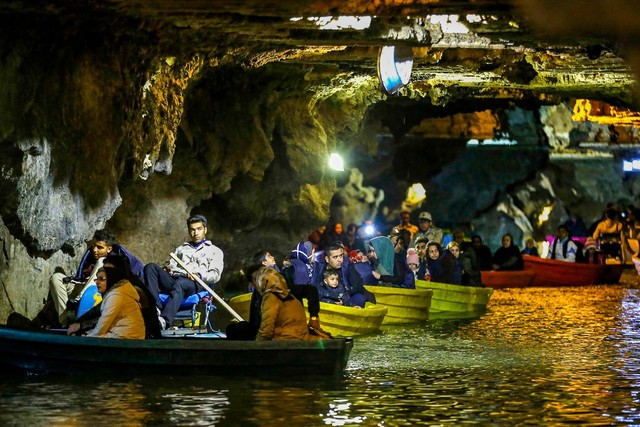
(336, 162)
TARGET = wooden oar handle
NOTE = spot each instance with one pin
(208, 289)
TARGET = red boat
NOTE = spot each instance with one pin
(550, 272)
(507, 279)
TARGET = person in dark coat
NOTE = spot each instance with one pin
(389, 267)
(442, 264)
(508, 256)
(482, 253)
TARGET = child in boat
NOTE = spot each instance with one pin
(413, 263)
(332, 291)
(530, 248)
(591, 253)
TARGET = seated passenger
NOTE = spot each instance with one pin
(67, 290)
(482, 253)
(201, 257)
(508, 256)
(454, 248)
(413, 264)
(282, 315)
(609, 233)
(389, 267)
(120, 312)
(89, 319)
(297, 275)
(563, 248)
(592, 254)
(441, 263)
(332, 291)
(349, 276)
(530, 247)
(299, 270)
(421, 249)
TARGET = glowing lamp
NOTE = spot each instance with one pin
(416, 194)
(336, 162)
(369, 230)
(544, 215)
(394, 67)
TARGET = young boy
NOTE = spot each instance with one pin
(332, 291)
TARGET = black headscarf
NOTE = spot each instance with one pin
(114, 275)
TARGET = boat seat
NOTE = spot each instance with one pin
(189, 301)
(189, 315)
(192, 308)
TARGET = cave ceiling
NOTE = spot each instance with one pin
(513, 50)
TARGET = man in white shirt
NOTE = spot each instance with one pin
(563, 248)
(200, 256)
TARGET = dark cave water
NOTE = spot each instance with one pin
(537, 357)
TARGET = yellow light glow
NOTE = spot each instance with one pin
(416, 194)
(336, 162)
(544, 215)
(604, 114)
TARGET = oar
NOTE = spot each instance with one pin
(204, 285)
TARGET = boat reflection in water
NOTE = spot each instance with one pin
(538, 356)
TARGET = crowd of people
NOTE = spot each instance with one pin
(331, 267)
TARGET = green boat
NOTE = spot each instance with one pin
(404, 305)
(455, 301)
(338, 320)
(195, 354)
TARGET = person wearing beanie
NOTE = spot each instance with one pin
(413, 261)
(591, 253)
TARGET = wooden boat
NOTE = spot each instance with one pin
(404, 305)
(46, 352)
(338, 320)
(551, 272)
(507, 279)
(455, 301)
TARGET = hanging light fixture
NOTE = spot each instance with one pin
(394, 67)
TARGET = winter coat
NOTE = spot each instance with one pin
(337, 295)
(120, 314)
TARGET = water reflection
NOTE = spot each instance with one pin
(538, 356)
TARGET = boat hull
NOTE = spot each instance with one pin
(550, 272)
(455, 301)
(42, 352)
(339, 321)
(404, 305)
(507, 279)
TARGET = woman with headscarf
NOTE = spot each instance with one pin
(282, 315)
(442, 264)
(120, 312)
(390, 268)
(508, 256)
(300, 270)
